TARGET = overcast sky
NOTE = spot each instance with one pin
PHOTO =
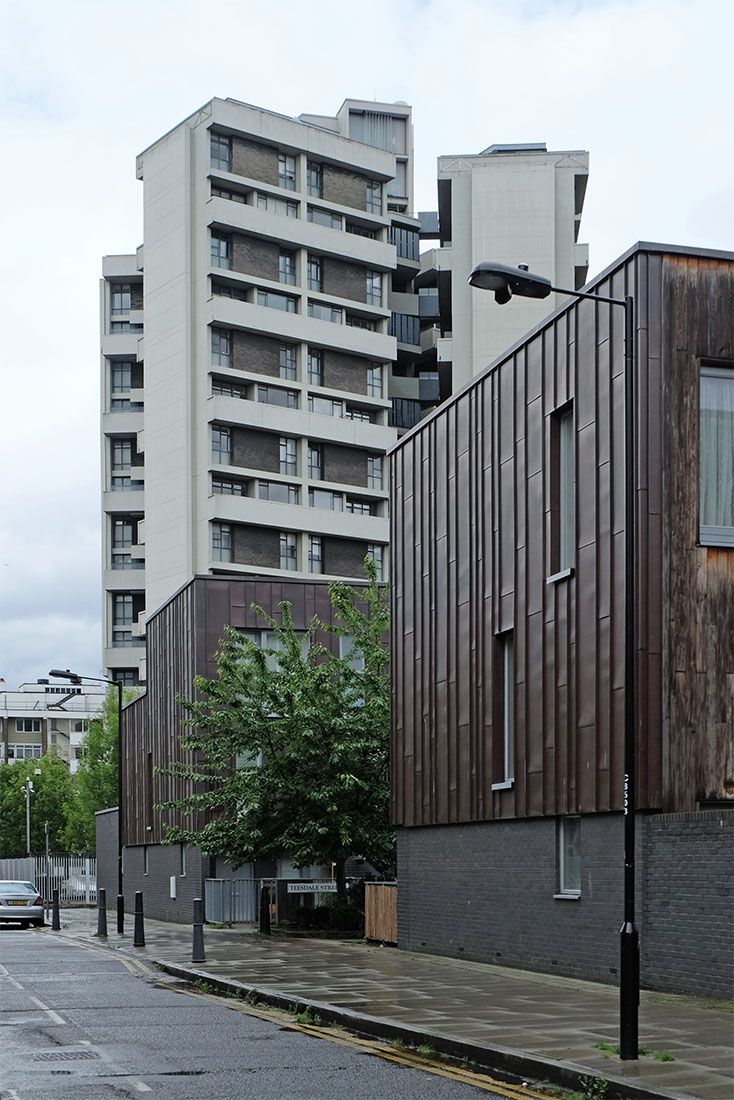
(644, 85)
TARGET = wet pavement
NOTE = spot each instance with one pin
(540, 1026)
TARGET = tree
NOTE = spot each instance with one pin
(95, 784)
(309, 733)
(51, 792)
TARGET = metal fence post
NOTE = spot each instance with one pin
(138, 928)
(101, 912)
(197, 954)
(55, 918)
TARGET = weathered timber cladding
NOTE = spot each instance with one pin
(472, 522)
(182, 641)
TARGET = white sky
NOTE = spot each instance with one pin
(645, 85)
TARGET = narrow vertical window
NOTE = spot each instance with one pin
(374, 197)
(315, 367)
(315, 273)
(374, 471)
(220, 148)
(503, 739)
(288, 455)
(287, 266)
(220, 347)
(221, 250)
(377, 553)
(221, 445)
(288, 551)
(315, 560)
(287, 361)
(562, 492)
(374, 288)
(716, 456)
(315, 179)
(221, 542)
(287, 172)
(374, 380)
(315, 462)
(569, 856)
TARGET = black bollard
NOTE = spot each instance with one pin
(138, 929)
(265, 911)
(197, 953)
(102, 912)
(55, 918)
(120, 914)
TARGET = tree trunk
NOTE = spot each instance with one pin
(341, 881)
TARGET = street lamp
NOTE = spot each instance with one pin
(76, 678)
(506, 281)
(27, 790)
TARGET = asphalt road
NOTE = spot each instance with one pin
(88, 1023)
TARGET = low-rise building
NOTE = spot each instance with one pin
(43, 717)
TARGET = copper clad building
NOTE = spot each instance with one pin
(508, 640)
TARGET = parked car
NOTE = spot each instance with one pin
(20, 902)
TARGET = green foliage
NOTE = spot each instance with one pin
(663, 1056)
(308, 1016)
(595, 1088)
(51, 792)
(95, 784)
(310, 735)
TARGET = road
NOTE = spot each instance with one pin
(82, 1022)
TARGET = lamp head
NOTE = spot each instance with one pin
(506, 281)
(66, 674)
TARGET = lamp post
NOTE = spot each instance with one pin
(76, 678)
(506, 281)
(27, 790)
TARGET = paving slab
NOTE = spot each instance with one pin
(538, 1025)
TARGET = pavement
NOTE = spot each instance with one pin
(539, 1027)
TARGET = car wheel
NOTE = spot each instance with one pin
(25, 924)
(38, 923)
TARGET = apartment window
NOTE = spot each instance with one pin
(122, 454)
(288, 455)
(315, 367)
(315, 462)
(288, 551)
(121, 377)
(24, 752)
(273, 300)
(122, 534)
(221, 445)
(563, 490)
(315, 179)
(228, 193)
(122, 620)
(287, 172)
(315, 273)
(569, 856)
(222, 388)
(221, 542)
(503, 743)
(324, 217)
(374, 197)
(716, 455)
(126, 676)
(352, 413)
(120, 298)
(355, 320)
(315, 555)
(374, 380)
(406, 241)
(287, 266)
(374, 288)
(220, 148)
(287, 361)
(374, 471)
(360, 230)
(276, 395)
(376, 552)
(324, 406)
(221, 250)
(227, 486)
(324, 498)
(27, 725)
(277, 491)
(284, 208)
(220, 347)
(228, 290)
(323, 312)
(405, 327)
(360, 507)
(126, 483)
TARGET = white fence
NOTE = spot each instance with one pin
(75, 877)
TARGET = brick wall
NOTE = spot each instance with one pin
(345, 280)
(485, 892)
(344, 464)
(256, 450)
(344, 556)
(256, 546)
(253, 352)
(253, 256)
(163, 862)
(688, 909)
(345, 372)
(253, 159)
(345, 187)
(106, 828)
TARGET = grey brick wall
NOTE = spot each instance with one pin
(253, 352)
(163, 862)
(485, 892)
(344, 556)
(688, 909)
(256, 450)
(345, 464)
(345, 187)
(106, 828)
(345, 372)
(345, 280)
(253, 159)
(256, 546)
(253, 256)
